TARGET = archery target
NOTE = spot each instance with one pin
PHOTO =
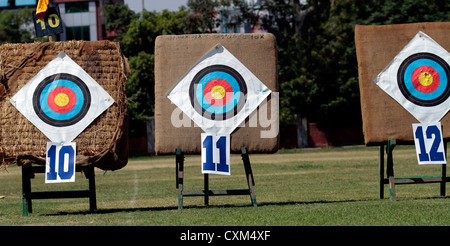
(417, 78)
(423, 79)
(218, 92)
(62, 99)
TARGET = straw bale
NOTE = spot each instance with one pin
(176, 54)
(104, 143)
(376, 46)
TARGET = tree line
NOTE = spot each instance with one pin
(317, 72)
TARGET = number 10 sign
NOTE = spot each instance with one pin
(50, 24)
(429, 143)
(216, 154)
(60, 163)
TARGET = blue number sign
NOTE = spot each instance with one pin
(216, 154)
(429, 143)
(60, 162)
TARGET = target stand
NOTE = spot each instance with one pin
(392, 181)
(28, 173)
(206, 192)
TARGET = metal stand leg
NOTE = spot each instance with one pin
(28, 172)
(249, 175)
(206, 192)
(381, 172)
(179, 161)
(390, 167)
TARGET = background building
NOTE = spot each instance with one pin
(83, 19)
(17, 3)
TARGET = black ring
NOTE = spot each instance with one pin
(401, 83)
(213, 116)
(61, 123)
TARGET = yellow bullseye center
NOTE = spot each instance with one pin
(425, 79)
(62, 99)
(218, 92)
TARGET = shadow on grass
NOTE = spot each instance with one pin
(144, 209)
(262, 204)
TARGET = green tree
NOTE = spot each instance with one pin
(13, 25)
(119, 17)
(318, 67)
(140, 88)
(138, 44)
(141, 33)
(201, 17)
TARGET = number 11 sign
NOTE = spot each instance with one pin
(216, 154)
(429, 143)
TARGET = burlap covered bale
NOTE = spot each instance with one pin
(104, 143)
(176, 54)
(376, 46)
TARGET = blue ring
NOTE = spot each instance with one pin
(411, 94)
(61, 116)
(241, 95)
(39, 96)
(421, 95)
(218, 109)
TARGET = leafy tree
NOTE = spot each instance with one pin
(318, 68)
(13, 26)
(119, 17)
(140, 88)
(201, 17)
(141, 33)
(137, 43)
(318, 73)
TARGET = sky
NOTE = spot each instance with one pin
(157, 5)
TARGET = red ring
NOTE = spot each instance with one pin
(425, 89)
(65, 108)
(217, 82)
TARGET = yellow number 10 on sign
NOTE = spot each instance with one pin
(50, 24)
(53, 21)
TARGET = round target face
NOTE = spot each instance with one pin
(423, 79)
(61, 100)
(218, 92)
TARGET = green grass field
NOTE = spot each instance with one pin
(309, 187)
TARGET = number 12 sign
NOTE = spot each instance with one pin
(429, 143)
(60, 162)
(216, 154)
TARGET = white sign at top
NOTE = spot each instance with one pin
(418, 79)
(218, 93)
(62, 99)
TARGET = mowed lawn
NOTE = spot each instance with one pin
(308, 187)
